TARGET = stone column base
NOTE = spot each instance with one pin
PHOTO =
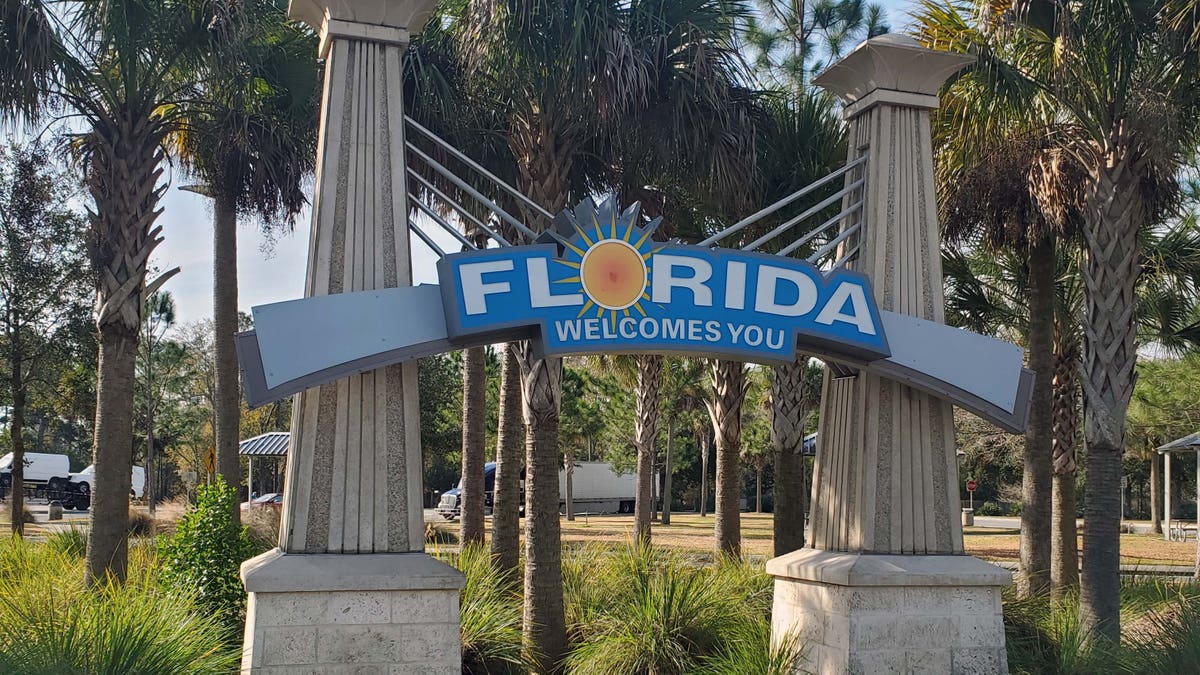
(865, 613)
(331, 613)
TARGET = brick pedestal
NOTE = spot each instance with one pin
(381, 614)
(862, 613)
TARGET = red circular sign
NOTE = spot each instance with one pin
(971, 486)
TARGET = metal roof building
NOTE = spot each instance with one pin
(270, 444)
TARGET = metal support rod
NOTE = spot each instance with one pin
(829, 246)
(442, 223)
(819, 229)
(738, 226)
(458, 207)
(842, 260)
(462, 185)
(475, 165)
(814, 209)
(425, 238)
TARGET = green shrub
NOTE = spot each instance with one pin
(50, 624)
(71, 541)
(204, 554)
(989, 509)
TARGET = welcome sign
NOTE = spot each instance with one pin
(607, 286)
(600, 283)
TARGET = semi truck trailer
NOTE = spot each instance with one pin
(595, 488)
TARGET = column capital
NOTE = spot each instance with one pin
(893, 69)
(369, 20)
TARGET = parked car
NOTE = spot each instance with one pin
(85, 479)
(271, 499)
(595, 487)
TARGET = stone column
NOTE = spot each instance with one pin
(885, 586)
(350, 585)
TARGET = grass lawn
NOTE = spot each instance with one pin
(690, 532)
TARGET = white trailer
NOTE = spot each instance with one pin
(596, 488)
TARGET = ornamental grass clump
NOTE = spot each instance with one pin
(489, 615)
(50, 624)
(204, 555)
(645, 610)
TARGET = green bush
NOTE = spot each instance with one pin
(989, 509)
(204, 554)
(50, 624)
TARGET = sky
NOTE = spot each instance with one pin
(272, 268)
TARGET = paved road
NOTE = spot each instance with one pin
(1013, 522)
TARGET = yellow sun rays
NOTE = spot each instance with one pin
(590, 237)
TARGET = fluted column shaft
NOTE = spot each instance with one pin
(354, 466)
(885, 478)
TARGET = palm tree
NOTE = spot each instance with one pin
(125, 70)
(729, 386)
(507, 496)
(986, 293)
(251, 138)
(1123, 79)
(474, 436)
(1012, 189)
(804, 141)
(565, 75)
(795, 394)
(649, 383)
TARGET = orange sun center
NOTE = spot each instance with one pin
(613, 274)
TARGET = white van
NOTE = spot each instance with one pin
(86, 478)
(42, 469)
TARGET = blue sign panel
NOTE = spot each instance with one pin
(608, 287)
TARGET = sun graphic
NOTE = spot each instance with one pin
(611, 263)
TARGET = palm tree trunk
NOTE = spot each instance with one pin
(1155, 492)
(506, 503)
(649, 383)
(225, 325)
(1034, 572)
(546, 160)
(729, 392)
(667, 470)
(16, 425)
(473, 438)
(125, 155)
(545, 634)
(788, 414)
(1064, 546)
(1112, 220)
(704, 473)
(108, 546)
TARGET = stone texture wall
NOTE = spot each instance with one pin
(892, 629)
(360, 632)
